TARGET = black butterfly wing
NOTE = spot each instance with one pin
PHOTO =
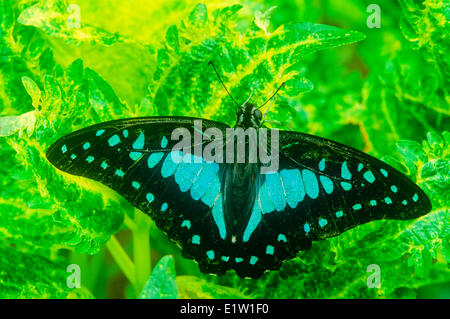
(322, 188)
(135, 157)
(363, 187)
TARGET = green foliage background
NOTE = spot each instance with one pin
(386, 94)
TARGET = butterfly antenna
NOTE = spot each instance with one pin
(263, 120)
(282, 85)
(218, 76)
(251, 94)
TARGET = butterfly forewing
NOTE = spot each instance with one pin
(136, 159)
(324, 188)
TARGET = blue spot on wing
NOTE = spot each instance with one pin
(276, 191)
(150, 197)
(255, 219)
(346, 186)
(154, 159)
(345, 173)
(211, 193)
(253, 260)
(327, 184)
(210, 254)
(186, 173)
(135, 184)
(369, 176)
(307, 228)
(164, 142)
(119, 173)
(170, 163)
(322, 164)
(311, 183)
(186, 223)
(135, 155)
(218, 217)
(265, 200)
(114, 140)
(323, 222)
(204, 179)
(139, 143)
(196, 239)
(293, 186)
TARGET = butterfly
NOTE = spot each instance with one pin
(229, 214)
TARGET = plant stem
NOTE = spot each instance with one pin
(141, 250)
(122, 259)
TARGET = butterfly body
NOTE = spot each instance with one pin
(248, 115)
(239, 191)
(230, 215)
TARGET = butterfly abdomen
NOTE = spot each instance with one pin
(239, 189)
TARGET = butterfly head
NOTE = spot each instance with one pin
(248, 115)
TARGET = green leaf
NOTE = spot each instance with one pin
(62, 102)
(25, 275)
(184, 82)
(12, 124)
(427, 26)
(6, 17)
(161, 284)
(33, 91)
(61, 20)
(102, 96)
(199, 16)
(191, 287)
(262, 19)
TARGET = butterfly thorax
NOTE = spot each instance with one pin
(247, 116)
